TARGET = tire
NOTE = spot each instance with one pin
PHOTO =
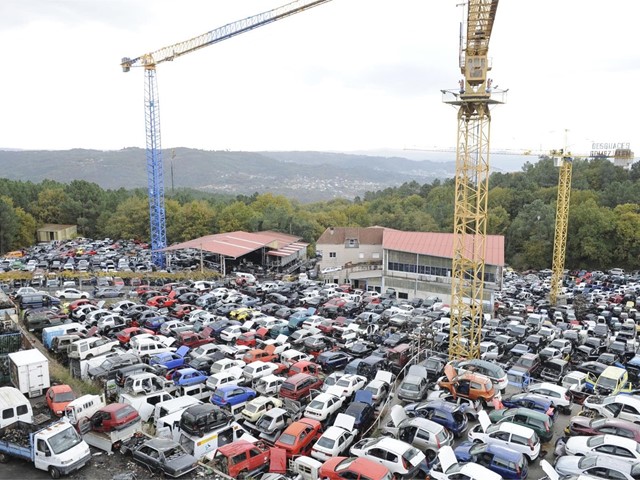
(4, 458)
(242, 475)
(62, 297)
(54, 472)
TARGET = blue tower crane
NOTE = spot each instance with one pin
(155, 174)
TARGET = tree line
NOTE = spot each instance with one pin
(604, 218)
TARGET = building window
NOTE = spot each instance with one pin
(332, 254)
(351, 243)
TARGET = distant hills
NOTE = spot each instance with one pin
(306, 176)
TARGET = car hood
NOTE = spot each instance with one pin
(577, 444)
(568, 465)
(580, 420)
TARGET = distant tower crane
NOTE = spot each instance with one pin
(155, 175)
(564, 160)
(472, 180)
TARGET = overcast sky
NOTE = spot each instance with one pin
(348, 75)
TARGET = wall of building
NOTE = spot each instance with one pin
(58, 234)
(340, 255)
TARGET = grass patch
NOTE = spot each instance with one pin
(80, 387)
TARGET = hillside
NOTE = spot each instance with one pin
(306, 176)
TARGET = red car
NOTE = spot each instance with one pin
(114, 416)
(247, 339)
(299, 386)
(193, 339)
(58, 397)
(161, 301)
(241, 458)
(304, 366)
(265, 355)
(299, 437)
(580, 425)
(125, 335)
(356, 468)
(180, 311)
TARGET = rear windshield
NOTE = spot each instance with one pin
(288, 386)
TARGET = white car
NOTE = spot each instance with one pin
(324, 405)
(336, 440)
(122, 306)
(313, 321)
(231, 333)
(516, 437)
(92, 347)
(331, 380)
(227, 364)
(450, 469)
(624, 407)
(555, 393)
(222, 378)
(350, 383)
(597, 465)
(258, 369)
(612, 446)
(553, 475)
(71, 293)
(203, 350)
(399, 457)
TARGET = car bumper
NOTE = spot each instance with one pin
(66, 470)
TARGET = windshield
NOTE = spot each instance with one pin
(411, 387)
(64, 397)
(344, 383)
(587, 462)
(607, 382)
(326, 442)
(287, 439)
(63, 441)
(251, 408)
(595, 441)
(330, 381)
(316, 405)
(346, 463)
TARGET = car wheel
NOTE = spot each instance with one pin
(62, 297)
(242, 475)
(54, 472)
(4, 458)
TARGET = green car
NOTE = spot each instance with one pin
(539, 422)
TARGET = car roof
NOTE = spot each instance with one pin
(235, 448)
(517, 429)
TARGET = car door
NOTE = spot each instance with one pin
(629, 413)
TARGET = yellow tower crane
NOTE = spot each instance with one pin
(564, 160)
(473, 99)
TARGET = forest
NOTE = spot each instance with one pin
(603, 232)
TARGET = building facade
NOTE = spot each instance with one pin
(415, 264)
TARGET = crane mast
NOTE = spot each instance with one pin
(473, 99)
(565, 162)
(155, 172)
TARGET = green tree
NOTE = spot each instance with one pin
(10, 224)
(26, 234)
(530, 237)
(130, 220)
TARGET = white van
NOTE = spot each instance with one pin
(83, 407)
(14, 407)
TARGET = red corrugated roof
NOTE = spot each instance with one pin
(439, 244)
(233, 244)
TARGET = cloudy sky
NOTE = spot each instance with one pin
(348, 75)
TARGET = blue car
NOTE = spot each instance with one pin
(188, 376)
(170, 360)
(511, 465)
(229, 395)
(532, 402)
(154, 323)
(447, 414)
